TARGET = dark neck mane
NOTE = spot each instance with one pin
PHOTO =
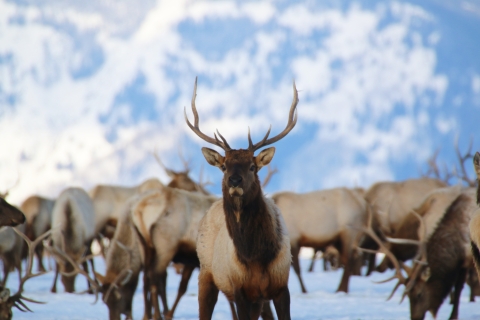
(256, 236)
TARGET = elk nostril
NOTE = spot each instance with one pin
(235, 180)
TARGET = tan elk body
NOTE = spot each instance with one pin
(73, 224)
(168, 221)
(108, 202)
(392, 201)
(321, 218)
(242, 243)
(38, 213)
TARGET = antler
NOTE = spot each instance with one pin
(222, 144)
(76, 266)
(186, 163)
(159, 161)
(383, 249)
(269, 175)
(18, 297)
(434, 171)
(462, 160)
(292, 120)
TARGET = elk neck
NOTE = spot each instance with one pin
(256, 233)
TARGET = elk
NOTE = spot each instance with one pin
(442, 260)
(7, 300)
(74, 229)
(124, 262)
(432, 209)
(38, 213)
(322, 218)
(242, 243)
(10, 215)
(167, 222)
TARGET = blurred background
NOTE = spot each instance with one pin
(89, 89)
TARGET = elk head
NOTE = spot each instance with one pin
(118, 288)
(9, 215)
(240, 166)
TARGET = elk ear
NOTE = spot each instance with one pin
(100, 278)
(213, 157)
(476, 164)
(264, 157)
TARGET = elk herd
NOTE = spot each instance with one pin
(244, 242)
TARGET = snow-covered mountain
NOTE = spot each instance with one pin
(89, 89)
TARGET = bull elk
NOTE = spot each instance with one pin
(442, 260)
(432, 208)
(321, 218)
(242, 243)
(38, 213)
(73, 220)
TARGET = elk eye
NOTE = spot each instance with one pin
(252, 168)
(223, 167)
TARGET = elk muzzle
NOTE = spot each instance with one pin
(234, 182)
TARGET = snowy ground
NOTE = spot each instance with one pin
(366, 300)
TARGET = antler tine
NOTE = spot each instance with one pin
(292, 121)
(18, 297)
(421, 257)
(125, 274)
(195, 128)
(62, 255)
(462, 159)
(398, 272)
(186, 163)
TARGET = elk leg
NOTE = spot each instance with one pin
(371, 263)
(461, 277)
(296, 266)
(267, 313)
(312, 263)
(207, 295)
(154, 297)
(186, 275)
(282, 304)
(246, 310)
(6, 271)
(162, 289)
(39, 254)
(54, 285)
(146, 297)
(232, 309)
(346, 259)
